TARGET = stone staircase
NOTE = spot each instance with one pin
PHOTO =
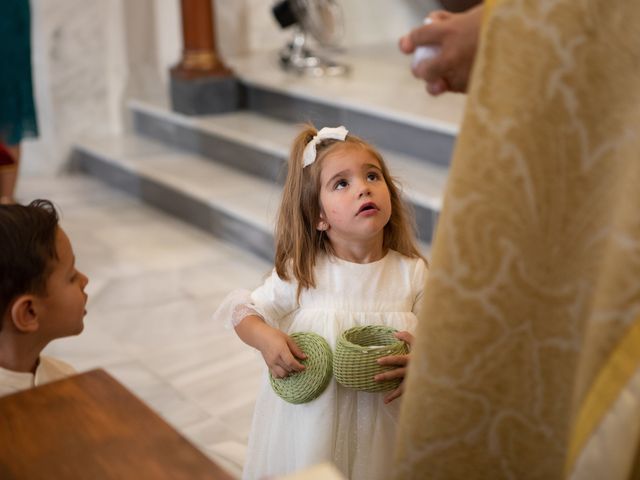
(223, 172)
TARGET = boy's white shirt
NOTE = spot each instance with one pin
(48, 370)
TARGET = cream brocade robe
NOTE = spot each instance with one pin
(526, 357)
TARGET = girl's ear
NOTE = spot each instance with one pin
(322, 223)
(23, 314)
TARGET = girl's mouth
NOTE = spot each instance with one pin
(366, 207)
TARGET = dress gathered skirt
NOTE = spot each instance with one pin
(353, 430)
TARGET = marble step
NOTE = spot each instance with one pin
(233, 205)
(259, 145)
(379, 99)
(226, 202)
(384, 131)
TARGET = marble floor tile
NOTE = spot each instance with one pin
(94, 348)
(158, 394)
(227, 454)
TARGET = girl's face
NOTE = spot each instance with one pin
(355, 204)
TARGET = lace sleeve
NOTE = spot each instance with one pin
(274, 301)
(234, 308)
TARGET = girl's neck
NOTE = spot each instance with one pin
(360, 253)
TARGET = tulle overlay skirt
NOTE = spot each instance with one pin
(354, 430)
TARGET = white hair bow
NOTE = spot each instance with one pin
(309, 153)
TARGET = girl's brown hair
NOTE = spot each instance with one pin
(297, 239)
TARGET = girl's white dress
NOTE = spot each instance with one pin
(354, 430)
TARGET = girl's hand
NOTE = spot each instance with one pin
(279, 352)
(401, 361)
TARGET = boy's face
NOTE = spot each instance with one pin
(64, 304)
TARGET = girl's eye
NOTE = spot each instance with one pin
(372, 176)
(340, 184)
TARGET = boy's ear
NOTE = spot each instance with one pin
(23, 314)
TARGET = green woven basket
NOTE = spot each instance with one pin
(304, 386)
(357, 349)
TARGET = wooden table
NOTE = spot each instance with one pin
(90, 427)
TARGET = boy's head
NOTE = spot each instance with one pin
(40, 288)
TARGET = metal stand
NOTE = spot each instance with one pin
(297, 57)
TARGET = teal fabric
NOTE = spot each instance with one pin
(17, 110)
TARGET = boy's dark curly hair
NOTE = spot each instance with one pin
(27, 249)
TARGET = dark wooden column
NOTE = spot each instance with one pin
(201, 84)
(200, 57)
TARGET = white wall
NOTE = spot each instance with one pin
(79, 74)
(90, 56)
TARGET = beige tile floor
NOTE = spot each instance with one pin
(154, 283)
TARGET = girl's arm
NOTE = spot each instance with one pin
(401, 361)
(277, 348)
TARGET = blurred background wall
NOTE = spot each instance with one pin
(91, 56)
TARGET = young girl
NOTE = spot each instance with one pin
(345, 257)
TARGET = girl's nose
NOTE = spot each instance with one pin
(364, 191)
(84, 279)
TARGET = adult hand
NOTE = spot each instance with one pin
(279, 352)
(400, 361)
(457, 36)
